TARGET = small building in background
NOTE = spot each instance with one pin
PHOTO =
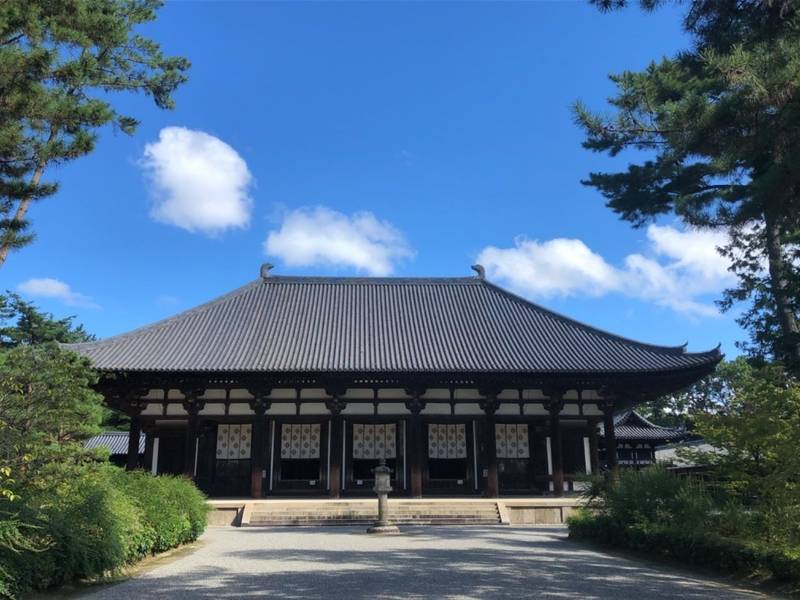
(669, 456)
(637, 439)
(117, 444)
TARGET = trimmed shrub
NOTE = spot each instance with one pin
(96, 522)
(173, 510)
(694, 547)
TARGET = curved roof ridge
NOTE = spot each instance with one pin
(673, 350)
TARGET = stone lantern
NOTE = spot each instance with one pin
(383, 485)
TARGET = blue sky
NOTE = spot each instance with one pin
(373, 138)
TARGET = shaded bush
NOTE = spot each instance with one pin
(97, 522)
(695, 547)
(655, 512)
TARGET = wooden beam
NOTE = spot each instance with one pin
(490, 406)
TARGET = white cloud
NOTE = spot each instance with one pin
(682, 267)
(198, 182)
(53, 288)
(321, 236)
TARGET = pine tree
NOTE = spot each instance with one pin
(61, 61)
(721, 124)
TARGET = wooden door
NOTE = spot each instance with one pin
(514, 464)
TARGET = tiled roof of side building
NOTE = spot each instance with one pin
(389, 325)
(630, 425)
(115, 441)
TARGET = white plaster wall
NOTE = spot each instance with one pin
(534, 409)
(175, 409)
(508, 409)
(174, 395)
(153, 409)
(283, 394)
(359, 408)
(532, 395)
(240, 408)
(240, 394)
(213, 409)
(154, 394)
(591, 410)
(214, 394)
(468, 408)
(392, 393)
(314, 408)
(282, 408)
(508, 395)
(436, 408)
(359, 394)
(437, 394)
(466, 394)
(393, 408)
(570, 410)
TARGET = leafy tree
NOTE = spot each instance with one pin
(22, 322)
(719, 123)
(61, 61)
(707, 396)
(47, 408)
(756, 432)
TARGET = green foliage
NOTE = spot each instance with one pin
(707, 396)
(22, 322)
(756, 466)
(718, 123)
(47, 408)
(61, 61)
(173, 510)
(650, 497)
(95, 522)
(695, 547)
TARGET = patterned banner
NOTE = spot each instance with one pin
(234, 442)
(447, 440)
(512, 440)
(374, 441)
(300, 440)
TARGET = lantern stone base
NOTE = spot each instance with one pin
(384, 529)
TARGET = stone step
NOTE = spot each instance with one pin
(365, 513)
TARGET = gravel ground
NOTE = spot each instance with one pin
(433, 562)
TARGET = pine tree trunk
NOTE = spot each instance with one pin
(781, 293)
(19, 216)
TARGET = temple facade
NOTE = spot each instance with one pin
(302, 385)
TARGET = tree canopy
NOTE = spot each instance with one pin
(720, 125)
(61, 62)
(22, 322)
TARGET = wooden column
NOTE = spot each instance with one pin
(193, 405)
(594, 453)
(490, 406)
(258, 455)
(609, 436)
(336, 406)
(554, 405)
(134, 433)
(415, 444)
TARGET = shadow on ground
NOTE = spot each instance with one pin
(451, 562)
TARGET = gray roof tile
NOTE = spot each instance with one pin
(388, 325)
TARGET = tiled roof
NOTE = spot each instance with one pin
(630, 425)
(387, 325)
(115, 441)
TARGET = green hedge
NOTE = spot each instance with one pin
(96, 523)
(692, 547)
